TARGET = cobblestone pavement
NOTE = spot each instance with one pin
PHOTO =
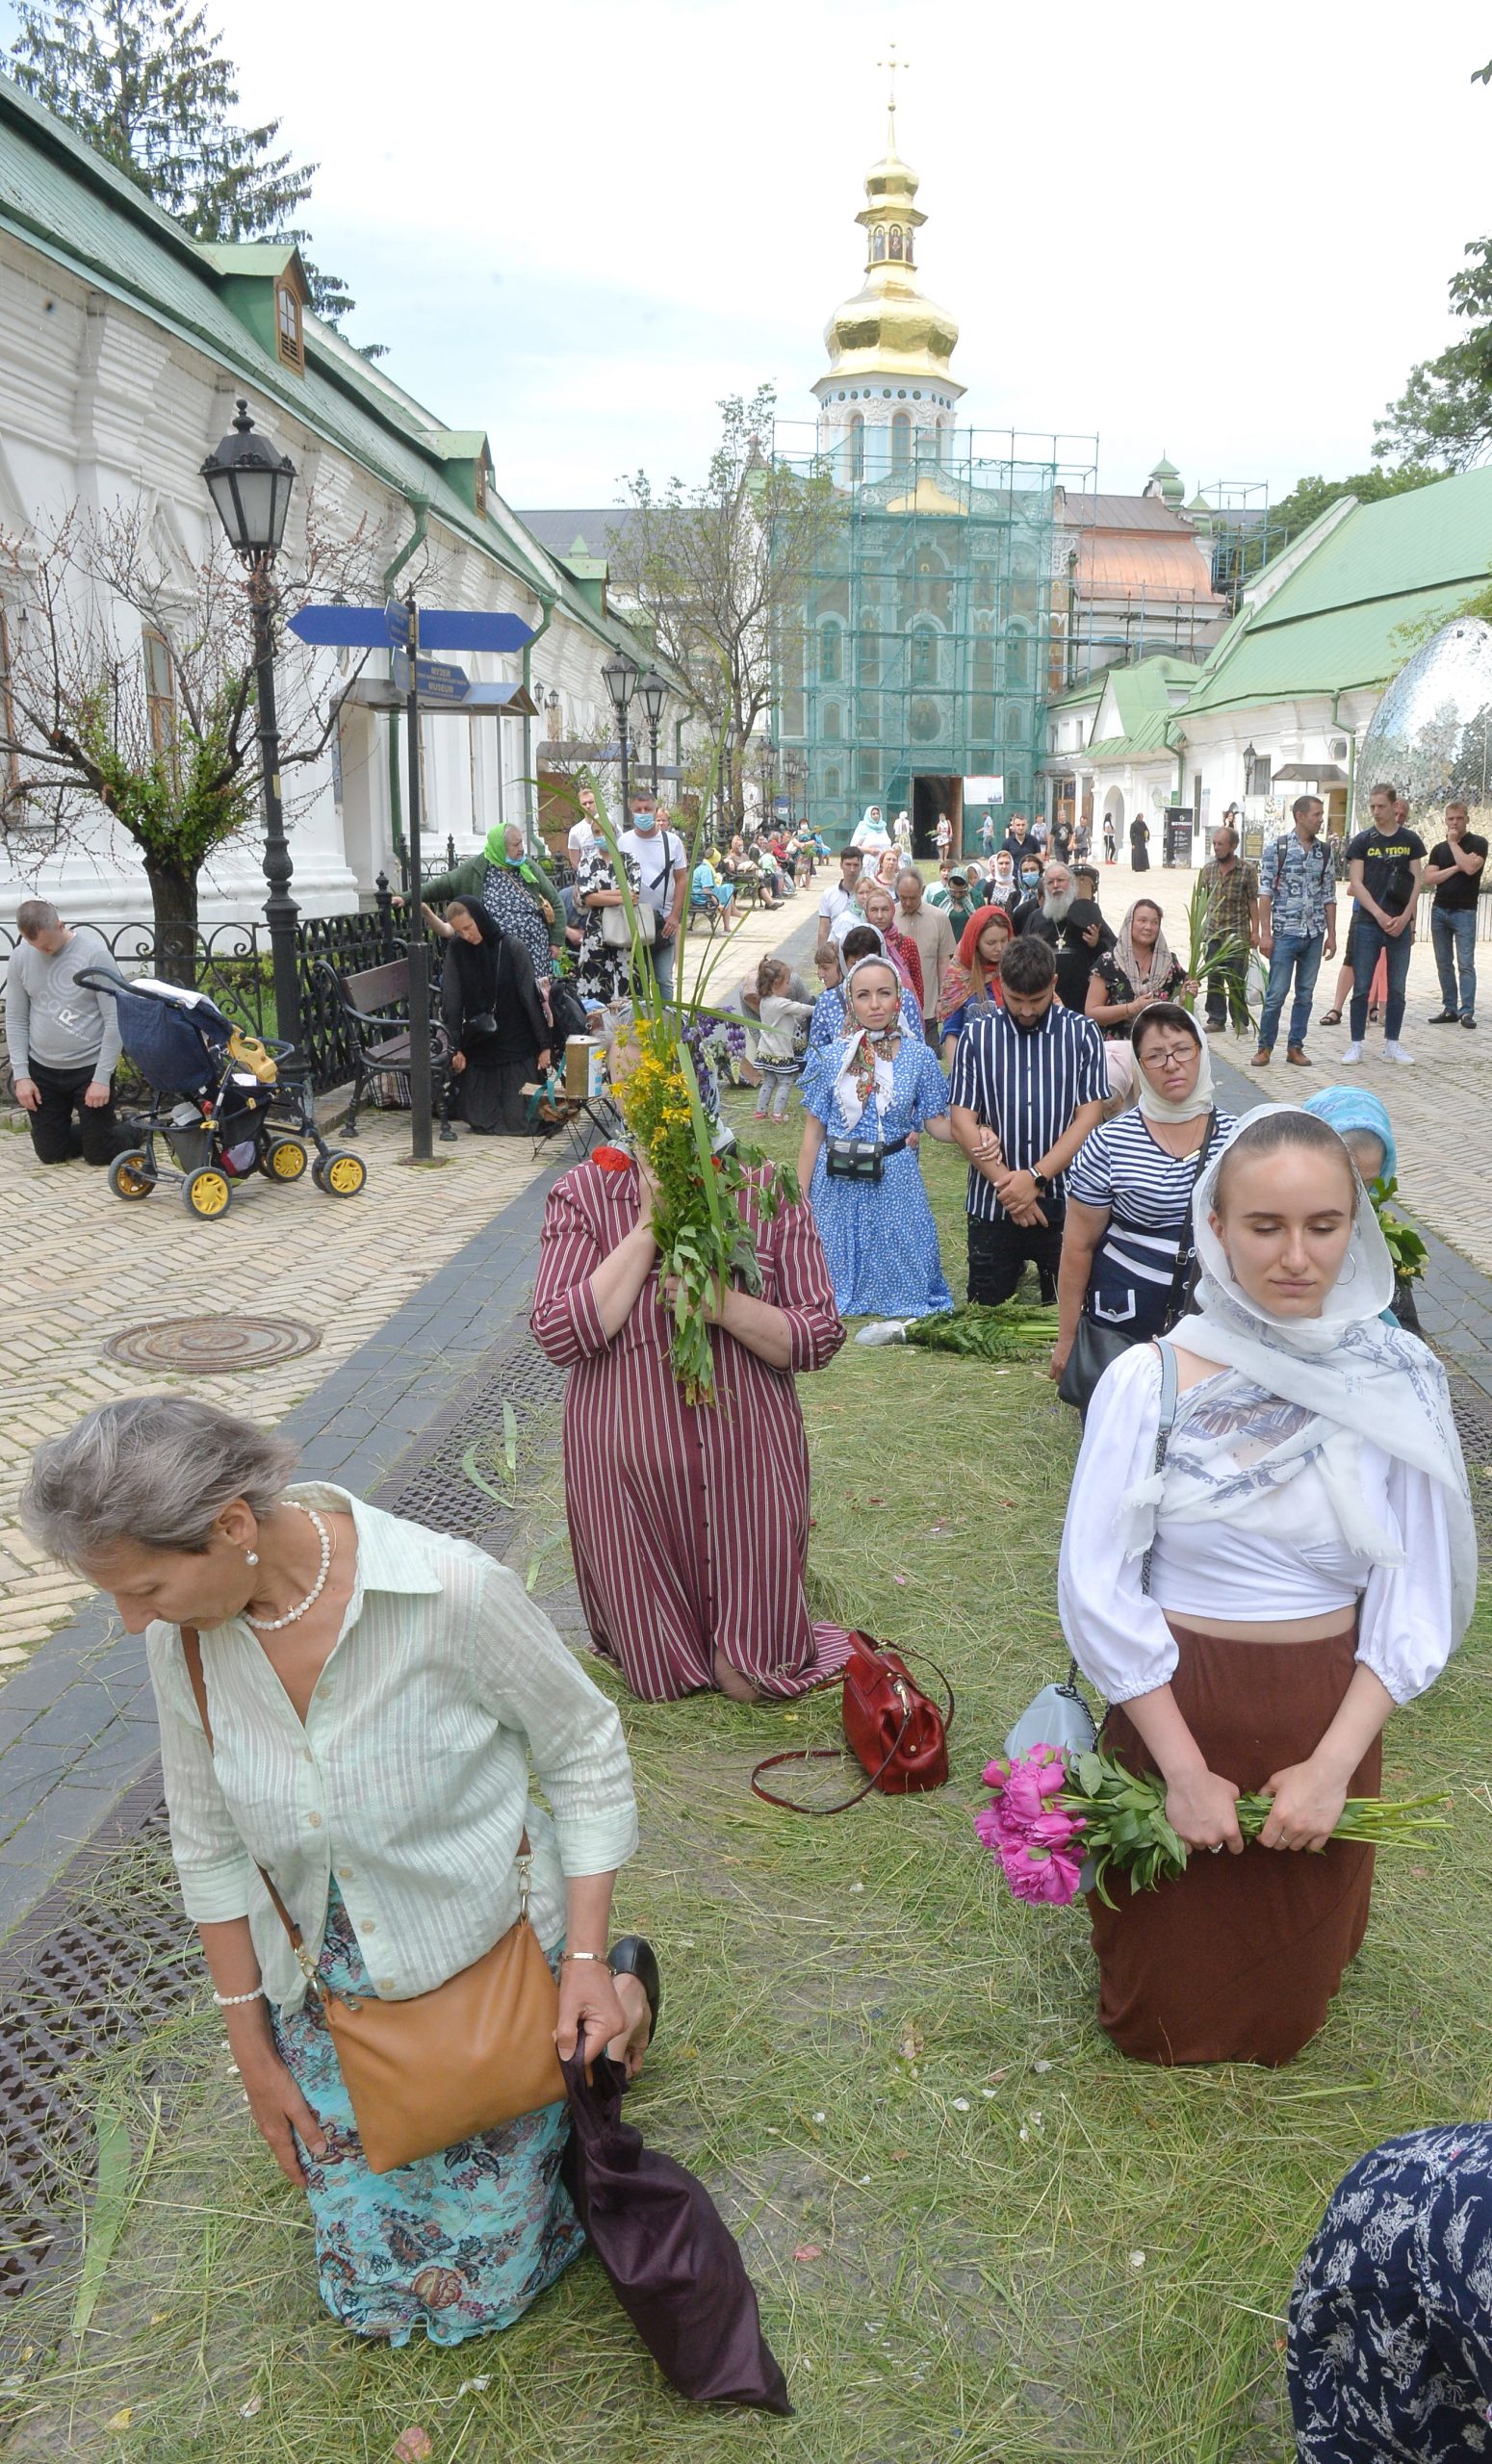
(84, 1266)
(1441, 1109)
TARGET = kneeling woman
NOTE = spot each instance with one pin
(1303, 1562)
(875, 1088)
(356, 1704)
(500, 1035)
(690, 1522)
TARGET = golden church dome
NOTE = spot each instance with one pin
(891, 327)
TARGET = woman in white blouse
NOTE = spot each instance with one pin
(377, 1694)
(1303, 1560)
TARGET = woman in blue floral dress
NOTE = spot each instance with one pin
(828, 1022)
(1390, 2354)
(880, 1084)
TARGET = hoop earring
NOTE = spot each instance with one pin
(251, 1556)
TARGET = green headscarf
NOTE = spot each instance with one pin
(495, 849)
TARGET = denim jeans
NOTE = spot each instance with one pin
(662, 955)
(1369, 944)
(1298, 954)
(1453, 933)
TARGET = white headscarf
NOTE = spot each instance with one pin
(1158, 1107)
(1306, 1390)
(854, 1085)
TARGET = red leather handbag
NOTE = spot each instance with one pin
(895, 1731)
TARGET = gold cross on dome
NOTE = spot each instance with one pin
(891, 66)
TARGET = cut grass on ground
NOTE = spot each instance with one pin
(979, 2235)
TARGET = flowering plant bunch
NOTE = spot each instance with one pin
(704, 1242)
(1057, 1826)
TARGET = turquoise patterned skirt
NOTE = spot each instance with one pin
(457, 2243)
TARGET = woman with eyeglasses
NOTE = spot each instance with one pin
(1125, 1247)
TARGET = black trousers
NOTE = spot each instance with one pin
(62, 1126)
(998, 1252)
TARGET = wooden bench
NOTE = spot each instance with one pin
(375, 1008)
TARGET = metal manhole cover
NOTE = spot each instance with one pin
(204, 1345)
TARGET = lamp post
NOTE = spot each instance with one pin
(621, 675)
(250, 486)
(731, 740)
(654, 693)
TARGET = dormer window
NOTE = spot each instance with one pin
(289, 339)
(479, 491)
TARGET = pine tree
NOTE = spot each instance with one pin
(145, 83)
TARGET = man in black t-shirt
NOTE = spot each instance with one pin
(1384, 866)
(1454, 874)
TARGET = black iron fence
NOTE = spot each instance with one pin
(232, 966)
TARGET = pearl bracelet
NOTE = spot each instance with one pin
(230, 2001)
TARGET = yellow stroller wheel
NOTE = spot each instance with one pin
(206, 1191)
(130, 1175)
(340, 1172)
(284, 1159)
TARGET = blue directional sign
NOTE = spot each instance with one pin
(472, 629)
(434, 680)
(327, 627)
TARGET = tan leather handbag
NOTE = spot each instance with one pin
(468, 2056)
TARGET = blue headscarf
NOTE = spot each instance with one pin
(1345, 1108)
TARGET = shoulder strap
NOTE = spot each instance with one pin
(191, 1651)
(1187, 1249)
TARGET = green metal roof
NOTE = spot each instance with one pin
(1331, 624)
(1141, 693)
(66, 201)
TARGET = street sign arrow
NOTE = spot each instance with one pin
(434, 680)
(342, 629)
(327, 627)
(472, 629)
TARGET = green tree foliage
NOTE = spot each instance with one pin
(131, 687)
(1443, 415)
(720, 569)
(145, 83)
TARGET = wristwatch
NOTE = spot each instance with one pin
(1042, 1180)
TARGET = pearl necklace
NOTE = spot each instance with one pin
(272, 1624)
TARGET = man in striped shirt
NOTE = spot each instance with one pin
(1028, 1085)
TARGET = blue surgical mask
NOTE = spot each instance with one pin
(1030, 881)
(645, 821)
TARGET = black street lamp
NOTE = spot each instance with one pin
(621, 675)
(250, 485)
(732, 738)
(654, 693)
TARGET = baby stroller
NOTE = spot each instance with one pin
(215, 1091)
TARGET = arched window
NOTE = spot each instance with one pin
(984, 664)
(878, 246)
(901, 441)
(832, 724)
(896, 239)
(857, 446)
(1017, 657)
(829, 654)
(924, 656)
(831, 783)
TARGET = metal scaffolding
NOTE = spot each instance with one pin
(922, 654)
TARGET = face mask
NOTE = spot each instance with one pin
(646, 822)
(1030, 881)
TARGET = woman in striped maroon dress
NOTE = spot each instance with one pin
(690, 1522)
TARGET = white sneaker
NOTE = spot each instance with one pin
(1397, 1052)
(1354, 1052)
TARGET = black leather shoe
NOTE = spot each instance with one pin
(632, 1956)
(1444, 1018)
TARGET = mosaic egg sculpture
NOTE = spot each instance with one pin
(1431, 733)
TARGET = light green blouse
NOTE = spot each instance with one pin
(409, 1779)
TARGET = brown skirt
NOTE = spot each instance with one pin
(1238, 1959)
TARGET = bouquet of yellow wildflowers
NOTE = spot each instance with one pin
(704, 1178)
(703, 1238)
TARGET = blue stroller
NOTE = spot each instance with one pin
(215, 1093)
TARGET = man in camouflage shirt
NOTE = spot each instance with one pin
(1231, 889)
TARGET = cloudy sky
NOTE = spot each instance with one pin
(1224, 234)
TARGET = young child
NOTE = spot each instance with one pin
(778, 1057)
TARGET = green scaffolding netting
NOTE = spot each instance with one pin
(919, 651)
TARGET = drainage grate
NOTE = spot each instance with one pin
(437, 1487)
(87, 1971)
(204, 1346)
